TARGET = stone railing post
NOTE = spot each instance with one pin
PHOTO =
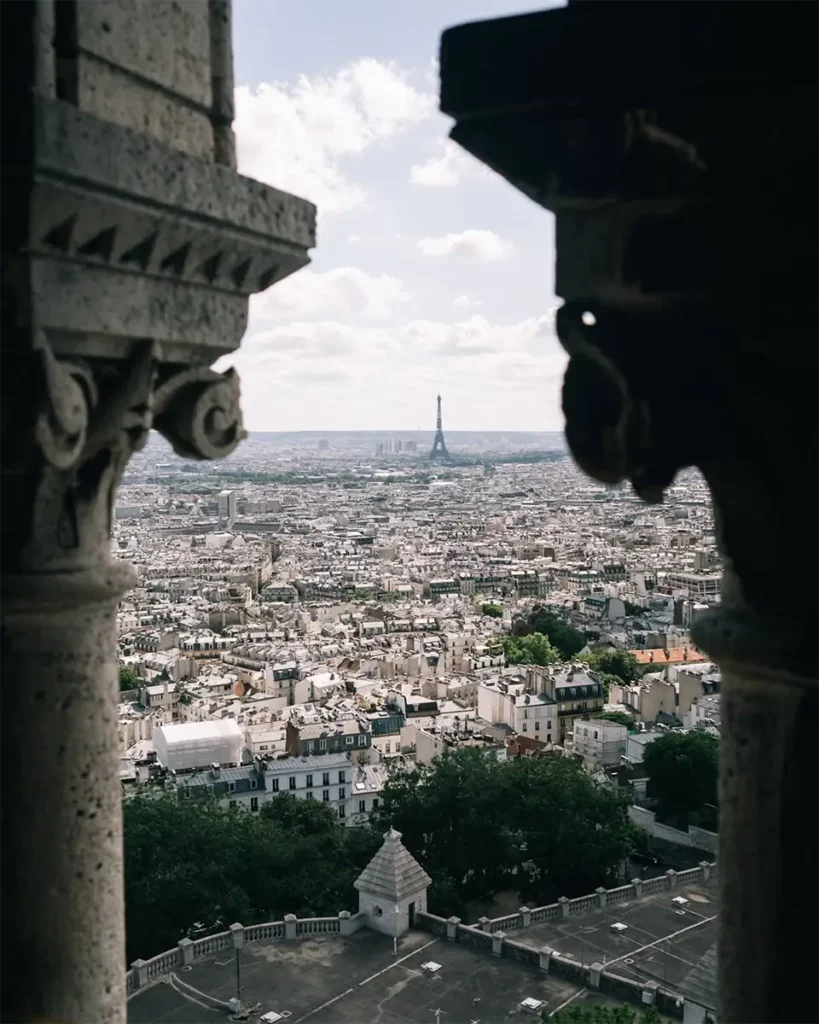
(497, 943)
(237, 934)
(545, 958)
(133, 248)
(140, 969)
(671, 875)
(344, 923)
(186, 952)
(565, 908)
(595, 970)
(484, 924)
(525, 917)
(452, 928)
(650, 989)
(705, 868)
(602, 895)
(290, 922)
(637, 883)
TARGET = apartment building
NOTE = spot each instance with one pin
(572, 688)
(340, 736)
(599, 743)
(326, 778)
(517, 705)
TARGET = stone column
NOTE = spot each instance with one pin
(497, 943)
(60, 588)
(452, 928)
(565, 906)
(290, 926)
(637, 883)
(686, 227)
(128, 261)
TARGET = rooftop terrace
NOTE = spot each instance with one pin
(663, 939)
(327, 979)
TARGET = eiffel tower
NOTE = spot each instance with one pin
(439, 444)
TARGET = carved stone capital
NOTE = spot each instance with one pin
(130, 275)
(87, 417)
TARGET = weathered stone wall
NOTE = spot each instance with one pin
(161, 69)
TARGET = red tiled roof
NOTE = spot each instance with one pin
(673, 656)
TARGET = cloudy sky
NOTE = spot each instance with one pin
(430, 272)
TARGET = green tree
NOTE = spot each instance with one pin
(540, 825)
(449, 813)
(492, 610)
(567, 640)
(534, 649)
(194, 862)
(621, 664)
(127, 680)
(573, 833)
(682, 770)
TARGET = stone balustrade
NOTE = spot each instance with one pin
(487, 934)
(491, 936)
(144, 972)
(601, 898)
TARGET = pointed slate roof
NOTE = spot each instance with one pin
(393, 873)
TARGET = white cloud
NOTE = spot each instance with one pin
(333, 375)
(465, 302)
(432, 76)
(440, 173)
(354, 238)
(297, 346)
(295, 136)
(343, 292)
(483, 245)
(477, 337)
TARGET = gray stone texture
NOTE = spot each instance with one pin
(62, 860)
(130, 248)
(149, 70)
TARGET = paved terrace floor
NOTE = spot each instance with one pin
(358, 980)
(662, 942)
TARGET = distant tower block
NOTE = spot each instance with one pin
(439, 444)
